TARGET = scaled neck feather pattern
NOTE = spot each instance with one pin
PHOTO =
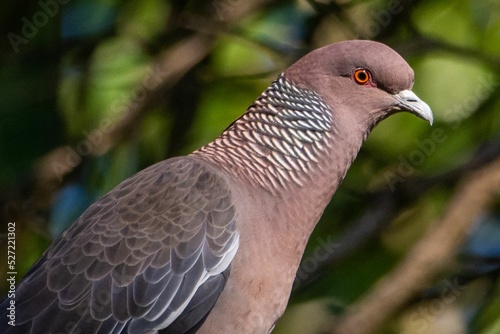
(278, 141)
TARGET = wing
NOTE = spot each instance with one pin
(153, 252)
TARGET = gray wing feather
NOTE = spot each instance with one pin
(136, 258)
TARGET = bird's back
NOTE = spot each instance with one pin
(154, 251)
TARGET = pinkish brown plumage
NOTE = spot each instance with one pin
(210, 243)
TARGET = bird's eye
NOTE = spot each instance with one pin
(361, 76)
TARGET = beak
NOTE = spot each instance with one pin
(408, 101)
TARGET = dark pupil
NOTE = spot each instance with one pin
(362, 76)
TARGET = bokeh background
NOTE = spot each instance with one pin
(94, 91)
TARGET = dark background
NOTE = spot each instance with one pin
(94, 91)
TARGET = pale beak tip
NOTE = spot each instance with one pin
(409, 101)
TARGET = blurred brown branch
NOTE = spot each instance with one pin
(170, 66)
(182, 50)
(429, 257)
(387, 204)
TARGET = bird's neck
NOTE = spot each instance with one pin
(285, 140)
(291, 146)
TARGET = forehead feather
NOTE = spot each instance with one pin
(390, 71)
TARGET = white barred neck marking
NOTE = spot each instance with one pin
(278, 140)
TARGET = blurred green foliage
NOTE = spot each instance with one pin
(67, 68)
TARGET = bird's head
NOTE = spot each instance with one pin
(363, 81)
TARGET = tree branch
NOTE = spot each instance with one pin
(386, 205)
(429, 257)
(170, 65)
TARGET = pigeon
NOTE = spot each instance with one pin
(211, 242)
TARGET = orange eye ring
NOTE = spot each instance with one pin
(361, 76)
